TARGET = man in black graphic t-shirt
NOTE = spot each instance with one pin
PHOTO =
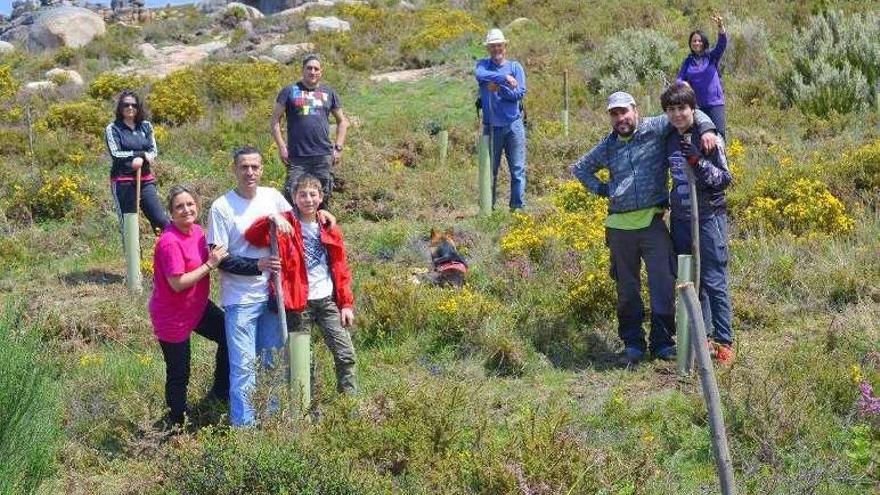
(307, 105)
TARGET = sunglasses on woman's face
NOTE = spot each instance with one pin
(130, 105)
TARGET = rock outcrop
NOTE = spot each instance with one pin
(289, 53)
(327, 24)
(64, 26)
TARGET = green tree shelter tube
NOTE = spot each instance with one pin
(443, 146)
(131, 244)
(298, 343)
(299, 350)
(485, 175)
(682, 337)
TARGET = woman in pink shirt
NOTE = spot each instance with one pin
(179, 304)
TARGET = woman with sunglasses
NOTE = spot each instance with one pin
(132, 145)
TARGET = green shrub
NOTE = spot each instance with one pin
(30, 416)
(65, 56)
(8, 84)
(254, 463)
(635, 56)
(176, 99)
(243, 82)
(52, 196)
(86, 117)
(861, 168)
(437, 29)
(835, 64)
(801, 206)
(108, 85)
(13, 142)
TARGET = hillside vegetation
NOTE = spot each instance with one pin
(508, 385)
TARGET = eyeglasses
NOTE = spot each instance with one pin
(130, 105)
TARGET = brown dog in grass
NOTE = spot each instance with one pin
(449, 266)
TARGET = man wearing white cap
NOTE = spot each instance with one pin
(634, 155)
(502, 88)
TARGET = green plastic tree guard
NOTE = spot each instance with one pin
(685, 274)
(299, 350)
(132, 247)
(443, 145)
(485, 176)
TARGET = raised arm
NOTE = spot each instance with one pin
(721, 44)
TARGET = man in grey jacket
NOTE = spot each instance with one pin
(633, 154)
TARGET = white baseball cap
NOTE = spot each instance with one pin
(620, 99)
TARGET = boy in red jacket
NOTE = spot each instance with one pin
(316, 279)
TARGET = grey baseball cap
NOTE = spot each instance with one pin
(620, 99)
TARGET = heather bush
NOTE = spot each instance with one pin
(630, 58)
(835, 64)
(248, 462)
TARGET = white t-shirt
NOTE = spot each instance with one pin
(230, 217)
(320, 284)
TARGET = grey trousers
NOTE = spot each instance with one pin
(325, 314)
(629, 248)
(319, 166)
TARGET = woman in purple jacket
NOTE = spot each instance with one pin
(700, 70)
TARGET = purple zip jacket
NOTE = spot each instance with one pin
(701, 72)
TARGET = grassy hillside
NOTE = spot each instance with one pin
(508, 386)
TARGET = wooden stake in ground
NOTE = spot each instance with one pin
(723, 462)
(565, 103)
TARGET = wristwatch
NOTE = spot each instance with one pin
(337, 147)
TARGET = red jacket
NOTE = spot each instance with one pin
(294, 275)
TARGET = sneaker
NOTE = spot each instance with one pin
(665, 353)
(631, 356)
(724, 354)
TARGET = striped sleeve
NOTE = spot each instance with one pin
(113, 144)
(151, 153)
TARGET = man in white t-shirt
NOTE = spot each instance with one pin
(251, 328)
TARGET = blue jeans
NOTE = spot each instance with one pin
(628, 249)
(511, 139)
(717, 115)
(714, 293)
(251, 330)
